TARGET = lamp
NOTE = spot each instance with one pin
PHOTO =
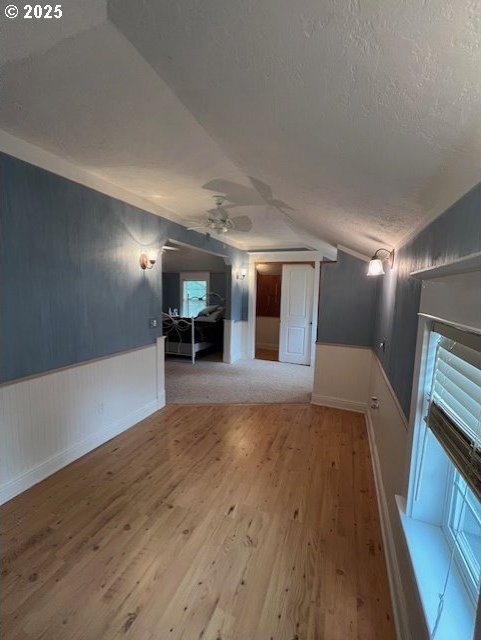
(148, 259)
(241, 274)
(376, 267)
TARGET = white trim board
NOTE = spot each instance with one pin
(338, 403)
(392, 566)
(464, 264)
(459, 325)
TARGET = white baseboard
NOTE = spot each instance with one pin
(392, 566)
(338, 403)
(161, 401)
(56, 462)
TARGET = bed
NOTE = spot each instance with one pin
(192, 336)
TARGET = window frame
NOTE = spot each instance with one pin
(455, 542)
(418, 462)
(186, 276)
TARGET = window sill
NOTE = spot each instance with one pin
(430, 555)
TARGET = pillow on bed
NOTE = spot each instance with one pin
(214, 316)
(207, 310)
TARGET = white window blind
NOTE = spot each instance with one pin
(455, 404)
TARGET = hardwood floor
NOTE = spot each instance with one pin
(246, 522)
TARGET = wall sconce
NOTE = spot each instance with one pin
(241, 274)
(375, 265)
(147, 260)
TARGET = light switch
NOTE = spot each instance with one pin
(153, 323)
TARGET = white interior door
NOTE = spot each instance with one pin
(296, 313)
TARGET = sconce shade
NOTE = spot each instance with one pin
(152, 255)
(375, 267)
(241, 274)
(147, 260)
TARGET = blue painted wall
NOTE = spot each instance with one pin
(347, 302)
(72, 288)
(456, 233)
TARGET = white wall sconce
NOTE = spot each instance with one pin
(241, 274)
(376, 267)
(148, 259)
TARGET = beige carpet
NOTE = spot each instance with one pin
(245, 381)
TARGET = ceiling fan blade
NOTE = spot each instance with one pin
(242, 223)
(165, 247)
(280, 204)
(262, 188)
(202, 226)
(236, 194)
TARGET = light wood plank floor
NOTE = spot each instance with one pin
(252, 522)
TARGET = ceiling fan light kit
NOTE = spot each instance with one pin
(219, 220)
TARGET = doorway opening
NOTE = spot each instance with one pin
(284, 311)
(195, 288)
(268, 310)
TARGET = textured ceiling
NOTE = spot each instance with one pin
(342, 121)
(363, 116)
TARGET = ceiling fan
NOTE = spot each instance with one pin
(218, 220)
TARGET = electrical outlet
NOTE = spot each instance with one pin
(153, 323)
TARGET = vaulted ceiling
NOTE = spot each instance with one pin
(338, 121)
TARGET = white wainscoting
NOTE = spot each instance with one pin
(51, 420)
(390, 446)
(235, 340)
(341, 376)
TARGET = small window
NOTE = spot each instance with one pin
(194, 293)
